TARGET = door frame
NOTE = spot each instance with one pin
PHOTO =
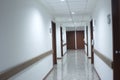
(54, 42)
(61, 37)
(87, 38)
(92, 45)
(116, 38)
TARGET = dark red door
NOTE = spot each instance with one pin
(71, 43)
(80, 39)
(70, 39)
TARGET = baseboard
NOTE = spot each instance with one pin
(86, 53)
(89, 57)
(65, 53)
(97, 73)
(59, 58)
(48, 74)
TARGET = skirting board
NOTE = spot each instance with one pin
(48, 74)
(59, 58)
(89, 57)
(97, 73)
(65, 53)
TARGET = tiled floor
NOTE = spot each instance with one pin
(73, 66)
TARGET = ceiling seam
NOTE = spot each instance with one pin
(70, 12)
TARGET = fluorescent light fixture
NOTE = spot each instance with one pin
(73, 12)
(75, 23)
(70, 19)
(62, 0)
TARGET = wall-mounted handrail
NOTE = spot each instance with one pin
(13, 71)
(104, 58)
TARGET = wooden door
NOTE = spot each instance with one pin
(70, 39)
(80, 39)
(54, 43)
(116, 38)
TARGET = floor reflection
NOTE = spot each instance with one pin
(74, 66)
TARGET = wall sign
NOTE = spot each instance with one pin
(108, 19)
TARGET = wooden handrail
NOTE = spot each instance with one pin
(13, 71)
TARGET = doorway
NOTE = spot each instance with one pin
(61, 37)
(80, 39)
(75, 40)
(70, 39)
(92, 43)
(54, 42)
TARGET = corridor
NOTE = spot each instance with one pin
(74, 66)
(35, 34)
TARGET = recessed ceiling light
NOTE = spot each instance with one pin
(73, 12)
(62, 0)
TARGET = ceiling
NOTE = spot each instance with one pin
(75, 28)
(70, 13)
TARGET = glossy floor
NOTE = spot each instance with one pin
(73, 66)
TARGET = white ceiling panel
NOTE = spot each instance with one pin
(62, 10)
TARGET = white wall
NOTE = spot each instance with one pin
(64, 39)
(103, 38)
(24, 34)
(58, 40)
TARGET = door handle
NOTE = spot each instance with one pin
(117, 52)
